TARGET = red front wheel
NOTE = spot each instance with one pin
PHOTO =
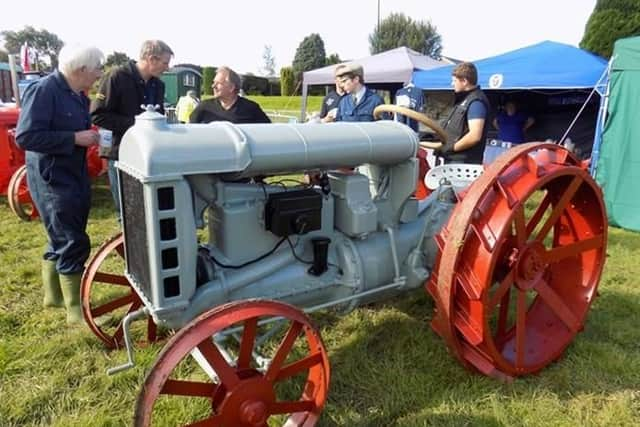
(233, 384)
(107, 297)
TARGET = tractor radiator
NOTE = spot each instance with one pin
(135, 231)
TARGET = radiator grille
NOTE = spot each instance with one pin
(135, 231)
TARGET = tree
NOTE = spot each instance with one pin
(334, 58)
(116, 58)
(208, 74)
(4, 56)
(399, 30)
(309, 55)
(287, 81)
(609, 21)
(269, 68)
(45, 44)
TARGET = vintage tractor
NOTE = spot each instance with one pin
(231, 263)
(13, 172)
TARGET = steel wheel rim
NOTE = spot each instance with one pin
(90, 277)
(242, 397)
(551, 300)
(18, 195)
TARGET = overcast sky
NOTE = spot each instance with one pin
(235, 32)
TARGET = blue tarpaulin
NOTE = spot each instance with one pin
(545, 65)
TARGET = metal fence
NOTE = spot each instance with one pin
(283, 116)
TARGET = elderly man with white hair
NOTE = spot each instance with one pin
(54, 129)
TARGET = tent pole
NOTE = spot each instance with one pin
(600, 122)
(584, 105)
(303, 107)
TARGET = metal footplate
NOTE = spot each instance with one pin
(458, 174)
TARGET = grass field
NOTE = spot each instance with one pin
(388, 367)
(289, 106)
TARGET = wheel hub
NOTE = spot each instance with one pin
(530, 265)
(248, 402)
(253, 412)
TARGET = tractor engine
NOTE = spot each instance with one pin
(356, 236)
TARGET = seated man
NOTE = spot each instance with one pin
(329, 108)
(358, 103)
(512, 124)
(226, 104)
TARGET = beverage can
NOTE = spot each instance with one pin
(106, 141)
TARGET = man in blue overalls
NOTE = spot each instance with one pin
(54, 129)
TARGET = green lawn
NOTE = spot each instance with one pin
(290, 105)
(388, 367)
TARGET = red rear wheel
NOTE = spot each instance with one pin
(520, 262)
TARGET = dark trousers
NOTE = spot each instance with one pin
(64, 209)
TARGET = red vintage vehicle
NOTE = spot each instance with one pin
(13, 172)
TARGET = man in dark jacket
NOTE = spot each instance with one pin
(227, 105)
(121, 94)
(329, 108)
(468, 122)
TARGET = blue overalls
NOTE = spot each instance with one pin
(57, 172)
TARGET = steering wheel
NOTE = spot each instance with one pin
(422, 118)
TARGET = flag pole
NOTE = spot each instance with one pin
(14, 79)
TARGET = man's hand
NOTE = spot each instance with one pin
(447, 148)
(87, 138)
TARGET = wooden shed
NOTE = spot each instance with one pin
(179, 80)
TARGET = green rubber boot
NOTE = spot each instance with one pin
(51, 285)
(70, 284)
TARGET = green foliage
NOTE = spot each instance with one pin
(399, 30)
(255, 85)
(208, 74)
(116, 58)
(334, 58)
(625, 6)
(46, 45)
(4, 56)
(287, 81)
(610, 21)
(274, 87)
(309, 55)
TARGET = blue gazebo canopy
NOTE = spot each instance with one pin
(545, 65)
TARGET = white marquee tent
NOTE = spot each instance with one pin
(386, 70)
